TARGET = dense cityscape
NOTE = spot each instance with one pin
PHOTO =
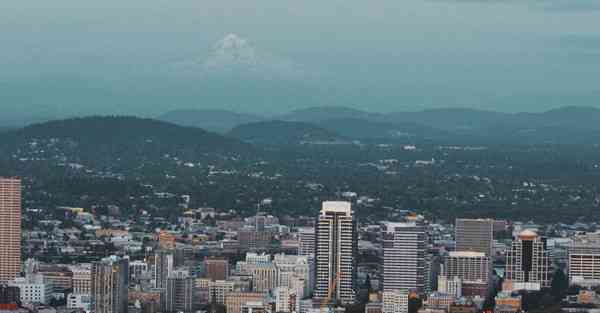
(213, 260)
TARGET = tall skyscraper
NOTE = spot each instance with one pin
(10, 228)
(336, 253)
(179, 292)
(306, 241)
(404, 261)
(110, 283)
(528, 262)
(163, 267)
(476, 235)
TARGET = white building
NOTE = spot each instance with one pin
(395, 301)
(584, 261)
(33, 289)
(337, 245)
(79, 301)
(527, 263)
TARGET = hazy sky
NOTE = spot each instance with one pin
(146, 57)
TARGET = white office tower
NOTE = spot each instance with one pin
(163, 268)
(584, 261)
(527, 263)
(335, 253)
(404, 257)
(306, 241)
(451, 286)
(395, 301)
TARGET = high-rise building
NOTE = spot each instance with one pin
(472, 268)
(110, 283)
(468, 266)
(527, 262)
(336, 253)
(179, 292)
(306, 241)
(583, 262)
(163, 267)
(216, 269)
(476, 235)
(10, 228)
(404, 257)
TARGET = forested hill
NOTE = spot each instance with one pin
(112, 138)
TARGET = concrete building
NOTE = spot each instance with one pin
(337, 245)
(82, 278)
(583, 261)
(451, 286)
(163, 267)
(110, 283)
(33, 289)
(264, 277)
(216, 268)
(395, 301)
(472, 268)
(292, 268)
(404, 257)
(306, 241)
(235, 300)
(79, 301)
(10, 228)
(178, 296)
(527, 263)
(218, 290)
(476, 235)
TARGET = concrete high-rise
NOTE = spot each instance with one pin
(306, 241)
(336, 253)
(584, 261)
(163, 267)
(110, 283)
(472, 268)
(528, 262)
(10, 228)
(404, 257)
(179, 292)
(476, 235)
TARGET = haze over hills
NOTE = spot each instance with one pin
(212, 120)
(564, 125)
(283, 133)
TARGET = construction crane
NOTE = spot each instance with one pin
(330, 291)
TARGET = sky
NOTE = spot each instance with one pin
(146, 57)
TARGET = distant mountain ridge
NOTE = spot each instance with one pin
(213, 120)
(283, 133)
